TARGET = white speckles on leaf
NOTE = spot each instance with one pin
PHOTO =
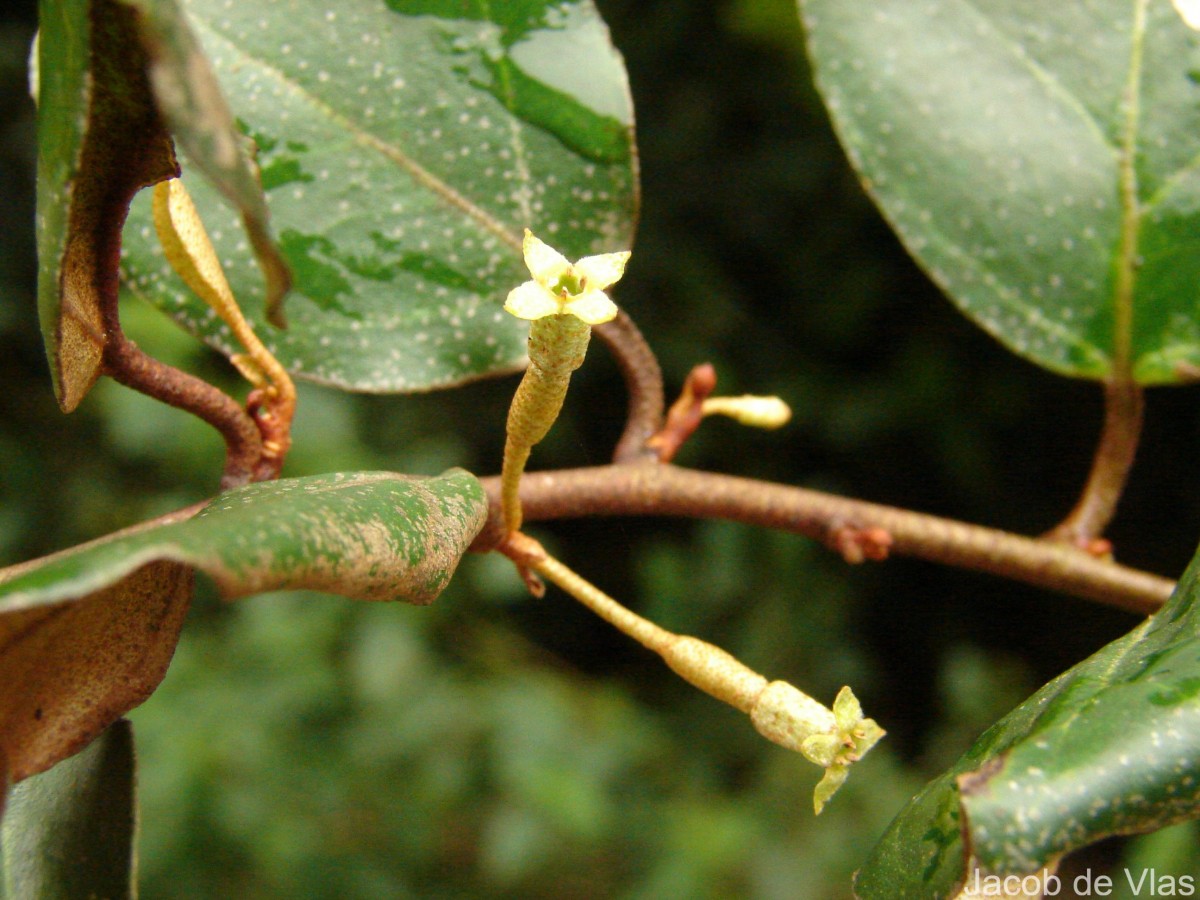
(1010, 121)
(392, 196)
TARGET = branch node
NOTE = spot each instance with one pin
(275, 427)
(685, 414)
(667, 490)
(857, 544)
(526, 553)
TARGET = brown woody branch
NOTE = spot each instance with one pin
(643, 382)
(666, 490)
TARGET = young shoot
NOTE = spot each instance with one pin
(190, 252)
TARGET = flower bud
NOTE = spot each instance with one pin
(757, 412)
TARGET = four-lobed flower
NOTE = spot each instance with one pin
(560, 287)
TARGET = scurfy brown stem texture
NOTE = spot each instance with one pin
(125, 362)
(666, 490)
(643, 382)
(638, 484)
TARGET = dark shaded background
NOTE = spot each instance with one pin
(495, 745)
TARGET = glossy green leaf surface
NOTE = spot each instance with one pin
(1111, 746)
(189, 97)
(71, 832)
(404, 147)
(993, 136)
(365, 535)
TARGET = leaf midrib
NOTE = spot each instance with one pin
(421, 175)
(1125, 149)
(1127, 250)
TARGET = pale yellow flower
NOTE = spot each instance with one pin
(560, 287)
(1189, 11)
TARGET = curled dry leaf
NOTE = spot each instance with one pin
(69, 669)
(114, 79)
(86, 634)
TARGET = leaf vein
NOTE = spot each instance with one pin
(383, 146)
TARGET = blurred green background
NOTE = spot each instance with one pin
(493, 745)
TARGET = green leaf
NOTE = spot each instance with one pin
(105, 69)
(365, 535)
(100, 139)
(995, 137)
(189, 96)
(86, 634)
(1110, 747)
(70, 832)
(404, 147)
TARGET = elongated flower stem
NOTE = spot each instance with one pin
(833, 739)
(557, 346)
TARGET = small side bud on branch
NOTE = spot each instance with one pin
(683, 418)
(858, 544)
(695, 402)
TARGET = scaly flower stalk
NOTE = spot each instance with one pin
(834, 738)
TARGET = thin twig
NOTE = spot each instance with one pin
(1083, 526)
(643, 382)
(125, 362)
(667, 490)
